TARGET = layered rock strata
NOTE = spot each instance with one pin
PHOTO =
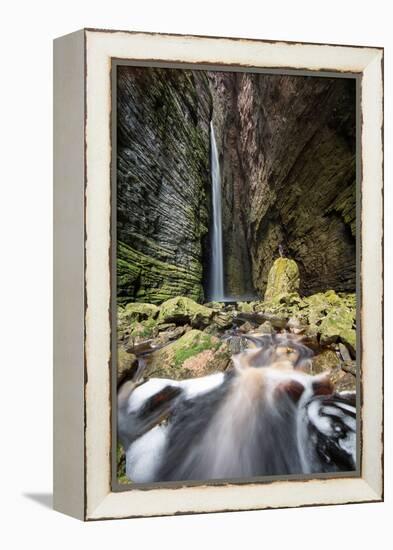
(163, 182)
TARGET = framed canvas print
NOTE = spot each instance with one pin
(218, 274)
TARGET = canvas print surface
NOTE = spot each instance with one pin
(236, 271)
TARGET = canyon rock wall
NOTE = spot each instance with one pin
(287, 155)
(163, 182)
(288, 169)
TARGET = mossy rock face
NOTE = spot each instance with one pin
(283, 278)
(174, 360)
(163, 182)
(181, 310)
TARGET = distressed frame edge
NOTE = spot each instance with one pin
(375, 491)
(69, 276)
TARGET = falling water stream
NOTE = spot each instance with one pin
(217, 262)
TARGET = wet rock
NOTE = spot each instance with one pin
(343, 381)
(350, 367)
(137, 312)
(223, 319)
(221, 359)
(327, 360)
(345, 355)
(246, 327)
(283, 279)
(338, 326)
(127, 363)
(165, 326)
(181, 310)
(236, 344)
(215, 305)
(245, 307)
(170, 361)
(266, 328)
(138, 348)
(172, 334)
(141, 331)
(341, 378)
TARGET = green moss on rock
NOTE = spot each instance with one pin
(181, 310)
(283, 278)
(169, 361)
(137, 312)
(143, 278)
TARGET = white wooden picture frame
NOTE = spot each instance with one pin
(82, 252)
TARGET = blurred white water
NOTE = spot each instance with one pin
(217, 262)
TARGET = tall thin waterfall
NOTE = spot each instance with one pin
(217, 262)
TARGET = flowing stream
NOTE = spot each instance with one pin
(266, 416)
(217, 261)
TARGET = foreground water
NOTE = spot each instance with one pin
(265, 416)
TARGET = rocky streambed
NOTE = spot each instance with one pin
(181, 339)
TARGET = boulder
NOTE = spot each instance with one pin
(245, 307)
(246, 327)
(172, 362)
(338, 325)
(127, 363)
(266, 328)
(283, 278)
(137, 312)
(140, 331)
(223, 319)
(327, 360)
(182, 310)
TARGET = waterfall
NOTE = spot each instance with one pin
(217, 262)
